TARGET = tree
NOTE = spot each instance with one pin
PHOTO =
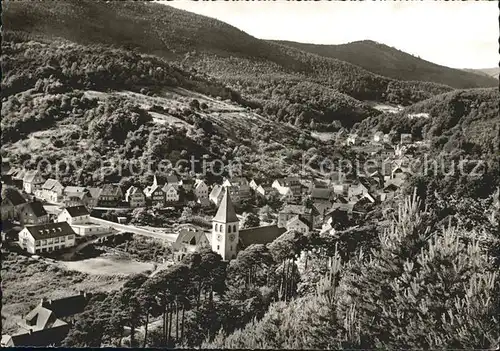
(194, 104)
(251, 220)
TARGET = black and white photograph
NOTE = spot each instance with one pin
(292, 175)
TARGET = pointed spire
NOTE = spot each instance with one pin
(226, 212)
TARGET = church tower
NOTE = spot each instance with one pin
(225, 229)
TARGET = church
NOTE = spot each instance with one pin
(227, 238)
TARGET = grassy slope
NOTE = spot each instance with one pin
(390, 62)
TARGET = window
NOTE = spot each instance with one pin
(229, 229)
(234, 228)
(218, 247)
(63, 238)
(56, 240)
(44, 242)
(231, 248)
(70, 237)
(38, 243)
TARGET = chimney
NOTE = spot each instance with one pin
(43, 301)
(30, 331)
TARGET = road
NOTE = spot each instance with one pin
(170, 237)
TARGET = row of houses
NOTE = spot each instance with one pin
(158, 193)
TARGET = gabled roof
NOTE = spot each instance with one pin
(300, 219)
(95, 192)
(172, 179)
(217, 189)
(190, 237)
(321, 193)
(40, 318)
(169, 186)
(74, 189)
(295, 209)
(199, 182)
(152, 189)
(51, 184)
(34, 208)
(50, 230)
(19, 174)
(226, 212)
(30, 176)
(67, 306)
(77, 211)
(111, 189)
(322, 206)
(260, 235)
(132, 190)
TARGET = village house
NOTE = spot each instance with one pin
(406, 138)
(12, 203)
(263, 190)
(357, 189)
(172, 180)
(322, 194)
(135, 197)
(46, 237)
(78, 217)
(292, 183)
(320, 208)
(200, 189)
(300, 224)
(189, 240)
(290, 211)
(52, 191)
(32, 181)
(110, 195)
(33, 213)
(171, 193)
(287, 196)
(76, 196)
(155, 195)
(238, 187)
(17, 176)
(74, 215)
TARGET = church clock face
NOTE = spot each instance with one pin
(219, 237)
(231, 237)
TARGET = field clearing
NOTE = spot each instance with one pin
(25, 282)
(109, 266)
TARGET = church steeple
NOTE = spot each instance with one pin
(225, 229)
(226, 212)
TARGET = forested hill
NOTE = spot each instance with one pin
(460, 120)
(390, 62)
(208, 45)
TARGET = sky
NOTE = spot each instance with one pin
(454, 34)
